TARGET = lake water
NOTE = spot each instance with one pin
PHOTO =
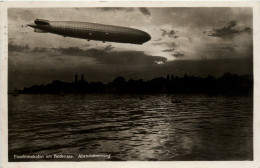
(131, 127)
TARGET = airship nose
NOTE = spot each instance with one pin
(32, 25)
(147, 37)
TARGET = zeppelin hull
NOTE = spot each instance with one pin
(93, 31)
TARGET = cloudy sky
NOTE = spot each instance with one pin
(193, 41)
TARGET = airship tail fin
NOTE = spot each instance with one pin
(40, 31)
(41, 22)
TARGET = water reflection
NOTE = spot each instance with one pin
(132, 128)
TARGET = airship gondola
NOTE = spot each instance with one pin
(91, 31)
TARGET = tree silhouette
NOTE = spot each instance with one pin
(228, 84)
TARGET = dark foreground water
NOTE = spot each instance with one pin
(130, 127)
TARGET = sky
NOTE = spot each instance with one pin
(194, 41)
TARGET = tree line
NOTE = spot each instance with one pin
(227, 84)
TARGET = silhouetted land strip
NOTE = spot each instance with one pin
(228, 84)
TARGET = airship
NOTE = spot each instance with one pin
(91, 31)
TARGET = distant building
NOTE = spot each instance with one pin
(172, 77)
(82, 77)
(168, 77)
(76, 78)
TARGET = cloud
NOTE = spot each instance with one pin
(159, 39)
(230, 30)
(74, 51)
(247, 29)
(113, 9)
(145, 11)
(170, 33)
(39, 49)
(159, 43)
(159, 62)
(172, 44)
(86, 45)
(17, 48)
(101, 61)
(169, 44)
(26, 49)
(20, 14)
(108, 48)
(177, 55)
(106, 55)
(229, 48)
(168, 50)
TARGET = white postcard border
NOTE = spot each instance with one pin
(91, 164)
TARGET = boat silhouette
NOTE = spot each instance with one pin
(176, 101)
(15, 92)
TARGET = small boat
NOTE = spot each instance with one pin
(15, 92)
(176, 101)
(141, 98)
(62, 93)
